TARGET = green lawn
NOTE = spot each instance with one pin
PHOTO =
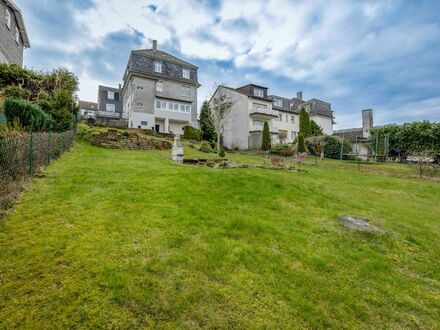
(128, 239)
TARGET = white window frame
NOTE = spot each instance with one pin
(159, 86)
(186, 91)
(292, 119)
(277, 102)
(293, 135)
(110, 107)
(258, 92)
(8, 18)
(280, 117)
(258, 123)
(186, 73)
(172, 106)
(158, 67)
(110, 95)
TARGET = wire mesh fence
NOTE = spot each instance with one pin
(24, 154)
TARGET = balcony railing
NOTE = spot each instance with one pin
(263, 112)
(108, 114)
(258, 128)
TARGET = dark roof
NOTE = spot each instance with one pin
(88, 105)
(295, 102)
(318, 107)
(350, 134)
(20, 23)
(162, 56)
(248, 85)
(285, 103)
(108, 88)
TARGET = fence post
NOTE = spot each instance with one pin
(375, 152)
(31, 152)
(342, 149)
(63, 145)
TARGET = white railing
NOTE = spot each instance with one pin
(108, 114)
(263, 111)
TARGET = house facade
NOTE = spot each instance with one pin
(13, 35)
(88, 109)
(110, 102)
(159, 91)
(252, 107)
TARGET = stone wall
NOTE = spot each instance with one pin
(126, 140)
(111, 122)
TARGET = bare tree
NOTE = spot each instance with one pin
(220, 108)
(282, 135)
(318, 144)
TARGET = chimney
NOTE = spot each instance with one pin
(299, 95)
(120, 86)
(367, 122)
(155, 44)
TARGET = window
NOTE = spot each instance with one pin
(144, 123)
(293, 135)
(8, 19)
(140, 88)
(258, 123)
(159, 86)
(186, 91)
(17, 36)
(292, 119)
(277, 103)
(182, 108)
(185, 73)
(188, 108)
(158, 67)
(110, 107)
(110, 95)
(258, 92)
(281, 117)
(139, 105)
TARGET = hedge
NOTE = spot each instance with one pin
(191, 133)
(26, 114)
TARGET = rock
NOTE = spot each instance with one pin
(358, 224)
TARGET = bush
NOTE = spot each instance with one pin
(332, 148)
(265, 145)
(222, 153)
(285, 150)
(26, 114)
(191, 133)
(205, 147)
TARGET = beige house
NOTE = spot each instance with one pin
(252, 107)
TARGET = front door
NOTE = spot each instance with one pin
(157, 128)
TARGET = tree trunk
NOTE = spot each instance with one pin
(322, 154)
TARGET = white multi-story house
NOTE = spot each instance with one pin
(252, 106)
(160, 91)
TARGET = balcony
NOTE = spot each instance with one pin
(108, 114)
(263, 111)
(259, 129)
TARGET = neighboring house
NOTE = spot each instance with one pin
(110, 102)
(160, 91)
(358, 137)
(13, 34)
(88, 109)
(320, 111)
(252, 106)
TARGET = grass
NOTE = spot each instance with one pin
(127, 239)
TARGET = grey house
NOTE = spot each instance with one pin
(88, 109)
(160, 91)
(13, 34)
(110, 102)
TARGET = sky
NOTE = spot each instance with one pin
(383, 55)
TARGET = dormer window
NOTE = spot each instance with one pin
(277, 103)
(8, 19)
(185, 73)
(158, 67)
(258, 92)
